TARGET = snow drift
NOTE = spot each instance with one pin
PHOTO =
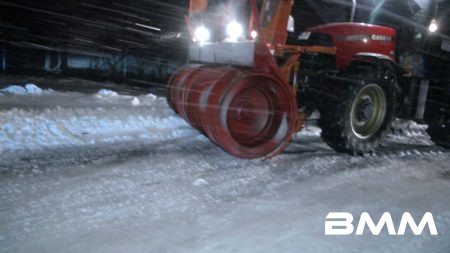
(28, 89)
(74, 119)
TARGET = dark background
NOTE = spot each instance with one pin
(143, 41)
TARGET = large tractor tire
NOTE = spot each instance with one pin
(358, 115)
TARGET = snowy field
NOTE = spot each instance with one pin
(107, 172)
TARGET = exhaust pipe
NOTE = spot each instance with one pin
(352, 14)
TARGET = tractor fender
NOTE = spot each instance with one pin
(384, 59)
(404, 79)
(369, 56)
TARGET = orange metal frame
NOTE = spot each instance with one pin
(273, 34)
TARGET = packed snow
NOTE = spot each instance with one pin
(104, 173)
(88, 122)
(28, 89)
(135, 101)
(107, 93)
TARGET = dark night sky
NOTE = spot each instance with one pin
(102, 20)
(104, 25)
(90, 24)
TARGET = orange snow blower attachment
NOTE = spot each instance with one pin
(232, 90)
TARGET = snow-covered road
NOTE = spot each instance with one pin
(113, 173)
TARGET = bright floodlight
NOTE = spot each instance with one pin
(201, 34)
(234, 30)
(433, 26)
(254, 34)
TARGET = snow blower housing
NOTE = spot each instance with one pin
(249, 91)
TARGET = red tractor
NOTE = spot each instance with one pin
(249, 91)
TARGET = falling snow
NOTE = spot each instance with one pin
(103, 173)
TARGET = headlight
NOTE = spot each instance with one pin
(201, 34)
(234, 31)
(433, 26)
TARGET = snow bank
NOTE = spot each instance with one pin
(152, 96)
(33, 89)
(89, 121)
(200, 182)
(135, 101)
(15, 89)
(28, 89)
(107, 93)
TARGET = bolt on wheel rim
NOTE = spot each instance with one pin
(368, 111)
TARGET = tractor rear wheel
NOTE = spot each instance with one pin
(358, 117)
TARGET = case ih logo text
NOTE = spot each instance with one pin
(340, 223)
